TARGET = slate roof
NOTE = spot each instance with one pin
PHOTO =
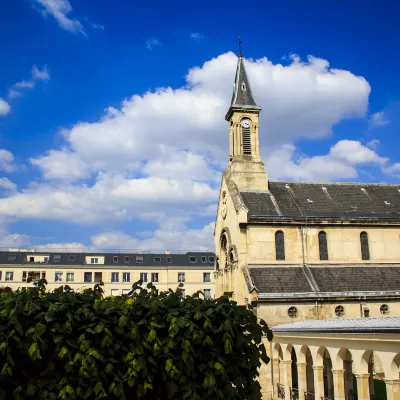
(242, 95)
(124, 259)
(356, 278)
(332, 201)
(280, 279)
(345, 325)
(277, 281)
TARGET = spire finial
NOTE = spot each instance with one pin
(240, 47)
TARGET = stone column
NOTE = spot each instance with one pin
(338, 384)
(287, 379)
(362, 386)
(329, 380)
(265, 378)
(275, 376)
(348, 378)
(371, 376)
(318, 381)
(302, 379)
(393, 389)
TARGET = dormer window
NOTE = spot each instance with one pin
(243, 86)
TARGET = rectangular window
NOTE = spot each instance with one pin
(1, 275)
(94, 260)
(157, 259)
(46, 259)
(58, 276)
(203, 259)
(154, 276)
(57, 258)
(193, 259)
(9, 276)
(139, 259)
(126, 277)
(114, 277)
(70, 276)
(98, 276)
(211, 259)
(127, 259)
(71, 258)
(115, 259)
(43, 275)
(114, 292)
(31, 259)
(126, 291)
(24, 276)
(143, 276)
(87, 277)
(181, 277)
(168, 259)
(207, 294)
(12, 257)
(206, 277)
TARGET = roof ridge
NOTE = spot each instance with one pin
(332, 183)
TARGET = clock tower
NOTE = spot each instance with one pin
(245, 165)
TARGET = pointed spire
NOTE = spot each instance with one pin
(242, 98)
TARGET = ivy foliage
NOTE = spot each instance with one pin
(145, 345)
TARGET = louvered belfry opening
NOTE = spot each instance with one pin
(323, 246)
(246, 140)
(364, 246)
(280, 245)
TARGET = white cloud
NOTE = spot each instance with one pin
(378, 120)
(373, 144)
(37, 75)
(4, 107)
(60, 10)
(196, 36)
(150, 43)
(393, 170)
(339, 164)
(159, 156)
(6, 161)
(7, 185)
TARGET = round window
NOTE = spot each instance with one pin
(292, 312)
(384, 309)
(339, 311)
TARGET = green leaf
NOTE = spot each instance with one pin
(63, 352)
(99, 328)
(3, 346)
(97, 388)
(31, 390)
(168, 365)
(218, 366)
(123, 320)
(152, 336)
(33, 350)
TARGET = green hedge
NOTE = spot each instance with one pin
(146, 345)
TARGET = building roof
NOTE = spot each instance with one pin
(242, 97)
(324, 280)
(344, 325)
(333, 201)
(203, 259)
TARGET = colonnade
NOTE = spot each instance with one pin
(335, 367)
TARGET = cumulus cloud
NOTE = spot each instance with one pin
(36, 75)
(378, 120)
(159, 156)
(196, 36)
(60, 10)
(339, 164)
(7, 163)
(4, 107)
(7, 185)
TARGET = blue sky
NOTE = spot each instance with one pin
(112, 131)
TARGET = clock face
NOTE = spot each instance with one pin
(246, 123)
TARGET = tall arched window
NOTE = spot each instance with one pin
(246, 137)
(323, 246)
(280, 245)
(224, 251)
(364, 246)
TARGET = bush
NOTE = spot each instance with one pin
(146, 345)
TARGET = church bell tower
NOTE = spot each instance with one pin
(245, 165)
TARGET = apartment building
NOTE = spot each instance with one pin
(118, 271)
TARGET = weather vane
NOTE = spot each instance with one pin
(240, 47)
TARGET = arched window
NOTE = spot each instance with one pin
(280, 245)
(224, 251)
(246, 138)
(323, 246)
(364, 246)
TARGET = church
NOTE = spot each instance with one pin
(301, 250)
